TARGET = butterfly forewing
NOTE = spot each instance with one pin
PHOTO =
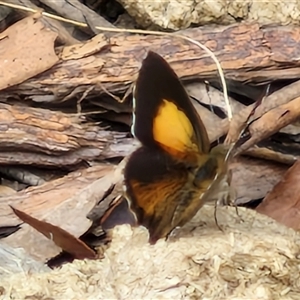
(162, 108)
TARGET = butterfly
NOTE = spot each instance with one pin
(174, 172)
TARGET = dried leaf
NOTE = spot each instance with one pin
(211, 121)
(90, 47)
(283, 202)
(271, 122)
(212, 96)
(63, 202)
(272, 154)
(26, 49)
(253, 178)
(272, 101)
(60, 237)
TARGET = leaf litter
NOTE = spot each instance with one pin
(257, 258)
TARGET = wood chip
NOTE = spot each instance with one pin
(26, 49)
(254, 259)
(64, 202)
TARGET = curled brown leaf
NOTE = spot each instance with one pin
(283, 202)
(59, 236)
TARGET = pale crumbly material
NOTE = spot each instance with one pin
(253, 258)
(180, 14)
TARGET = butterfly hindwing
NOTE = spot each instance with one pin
(162, 191)
(149, 178)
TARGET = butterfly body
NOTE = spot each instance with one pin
(170, 176)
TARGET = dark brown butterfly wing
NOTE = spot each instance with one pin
(166, 178)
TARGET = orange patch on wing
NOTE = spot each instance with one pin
(173, 131)
(154, 195)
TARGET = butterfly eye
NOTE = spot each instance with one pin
(206, 171)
